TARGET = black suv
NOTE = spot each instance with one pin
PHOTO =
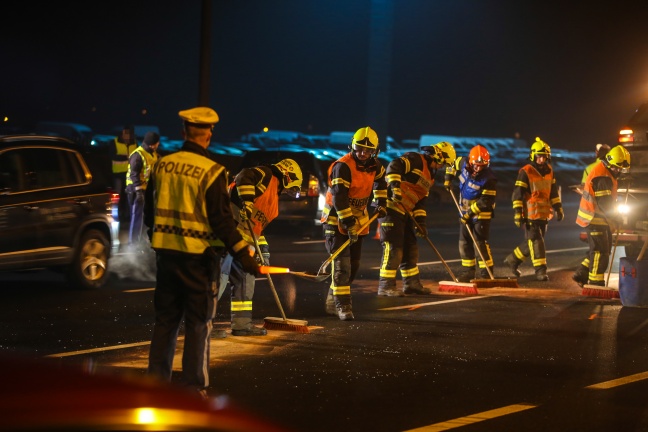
(56, 209)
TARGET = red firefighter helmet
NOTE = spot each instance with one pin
(479, 155)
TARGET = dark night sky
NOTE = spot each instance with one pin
(570, 72)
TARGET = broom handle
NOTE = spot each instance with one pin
(490, 273)
(430, 242)
(344, 245)
(272, 287)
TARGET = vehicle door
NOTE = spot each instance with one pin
(19, 216)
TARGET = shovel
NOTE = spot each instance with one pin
(306, 275)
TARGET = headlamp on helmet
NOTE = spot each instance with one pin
(365, 139)
(292, 176)
(539, 148)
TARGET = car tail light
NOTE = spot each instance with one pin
(114, 199)
(626, 136)
(313, 186)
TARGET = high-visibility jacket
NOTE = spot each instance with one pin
(181, 222)
(120, 157)
(265, 199)
(589, 211)
(476, 194)
(360, 186)
(148, 160)
(538, 201)
(411, 173)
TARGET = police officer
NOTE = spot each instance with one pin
(188, 208)
(477, 195)
(123, 145)
(255, 200)
(352, 180)
(535, 195)
(409, 180)
(140, 163)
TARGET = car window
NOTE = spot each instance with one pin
(29, 169)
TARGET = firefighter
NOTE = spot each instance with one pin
(535, 200)
(598, 213)
(352, 180)
(601, 151)
(188, 210)
(409, 179)
(255, 198)
(477, 194)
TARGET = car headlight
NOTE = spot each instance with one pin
(623, 209)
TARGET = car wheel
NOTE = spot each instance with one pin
(89, 269)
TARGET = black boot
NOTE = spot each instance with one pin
(541, 274)
(513, 264)
(467, 274)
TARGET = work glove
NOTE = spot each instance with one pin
(247, 261)
(560, 215)
(447, 185)
(353, 234)
(396, 194)
(381, 211)
(519, 220)
(246, 211)
(466, 217)
(422, 232)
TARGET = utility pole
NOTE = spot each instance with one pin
(205, 52)
(379, 73)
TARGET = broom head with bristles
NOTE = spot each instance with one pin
(600, 291)
(276, 323)
(496, 283)
(458, 287)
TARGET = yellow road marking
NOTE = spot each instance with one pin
(475, 418)
(619, 381)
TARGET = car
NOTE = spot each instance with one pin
(57, 209)
(305, 211)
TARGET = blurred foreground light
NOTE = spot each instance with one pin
(624, 209)
(6, 119)
(145, 415)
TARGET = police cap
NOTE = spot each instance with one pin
(199, 116)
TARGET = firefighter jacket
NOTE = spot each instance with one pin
(411, 173)
(535, 192)
(476, 194)
(119, 156)
(598, 202)
(350, 187)
(139, 168)
(256, 189)
(187, 204)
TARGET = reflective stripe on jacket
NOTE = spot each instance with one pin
(537, 202)
(120, 158)
(148, 160)
(588, 211)
(181, 221)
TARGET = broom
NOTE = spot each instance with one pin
(445, 286)
(604, 291)
(273, 323)
(485, 283)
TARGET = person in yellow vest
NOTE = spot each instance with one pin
(599, 215)
(140, 163)
(192, 227)
(409, 179)
(255, 199)
(601, 151)
(121, 148)
(535, 200)
(354, 181)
